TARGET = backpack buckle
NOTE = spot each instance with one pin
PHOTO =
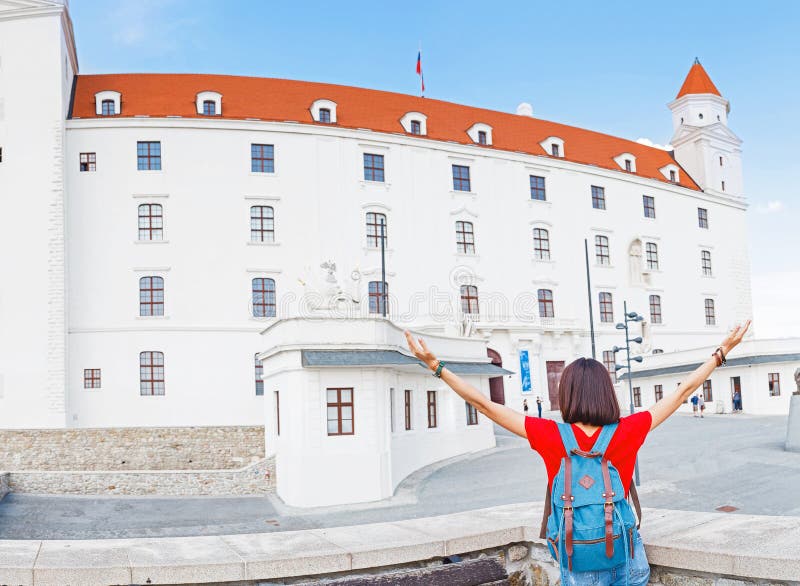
(609, 504)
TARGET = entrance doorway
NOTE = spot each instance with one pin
(497, 392)
(736, 385)
(554, 370)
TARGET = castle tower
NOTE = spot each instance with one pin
(703, 143)
(37, 67)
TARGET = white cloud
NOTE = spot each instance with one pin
(650, 143)
(775, 312)
(770, 207)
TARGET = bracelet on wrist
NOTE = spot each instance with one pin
(438, 372)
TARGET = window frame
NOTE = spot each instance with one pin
(538, 187)
(270, 309)
(774, 384)
(262, 158)
(602, 250)
(378, 300)
(711, 316)
(209, 108)
(598, 197)
(151, 363)
(605, 301)
(87, 162)
(416, 127)
(541, 245)
(374, 167)
(145, 222)
(339, 405)
(658, 392)
(259, 372)
(433, 422)
(149, 159)
(92, 378)
(651, 255)
(610, 361)
(408, 419)
(708, 391)
(472, 413)
(546, 304)
(104, 111)
(702, 218)
(655, 309)
(324, 116)
(637, 397)
(649, 204)
(461, 178)
(151, 296)
(705, 263)
(374, 230)
(465, 239)
(466, 292)
(262, 227)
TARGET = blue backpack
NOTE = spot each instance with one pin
(589, 524)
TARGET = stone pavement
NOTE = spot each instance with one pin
(687, 464)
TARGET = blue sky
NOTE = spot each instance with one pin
(608, 66)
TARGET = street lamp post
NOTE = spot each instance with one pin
(629, 317)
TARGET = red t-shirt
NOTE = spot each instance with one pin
(628, 438)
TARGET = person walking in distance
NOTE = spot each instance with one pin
(694, 405)
(539, 406)
(525, 406)
(701, 403)
(590, 528)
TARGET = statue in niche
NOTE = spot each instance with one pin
(635, 267)
(327, 294)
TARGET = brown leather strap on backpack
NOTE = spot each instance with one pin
(568, 499)
(634, 496)
(608, 508)
(548, 508)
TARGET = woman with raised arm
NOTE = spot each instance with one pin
(590, 528)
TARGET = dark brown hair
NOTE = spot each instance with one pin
(586, 394)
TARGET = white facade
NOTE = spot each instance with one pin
(70, 300)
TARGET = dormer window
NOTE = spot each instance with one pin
(209, 103)
(672, 176)
(415, 123)
(671, 173)
(107, 103)
(554, 146)
(627, 162)
(480, 134)
(323, 111)
(628, 166)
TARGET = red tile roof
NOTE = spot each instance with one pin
(160, 95)
(697, 82)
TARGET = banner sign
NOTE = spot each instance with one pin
(525, 371)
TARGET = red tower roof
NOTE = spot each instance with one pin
(697, 82)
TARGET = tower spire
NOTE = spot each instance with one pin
(697, 82)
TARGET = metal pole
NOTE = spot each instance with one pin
(383, 269)
(630, 381)
(589, 293)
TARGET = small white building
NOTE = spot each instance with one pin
(349, 413)
(762, 370)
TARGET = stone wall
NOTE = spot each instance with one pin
(131, 448)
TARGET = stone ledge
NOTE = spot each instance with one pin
(745, 547)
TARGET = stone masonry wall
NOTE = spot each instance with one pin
(255, 479)
(131, 448)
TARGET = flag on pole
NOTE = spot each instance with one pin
(419, 71)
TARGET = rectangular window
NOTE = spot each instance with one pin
(708, 396)
(151, 296)
(469, 299)
(277, 413)
(91, 378)
(378, 295)
(705, 262)
(598, 197)
(151, 222)
(461, 181)
(723, 186)
(107, 108)
(637, 396)
(606, 308)
(655, 309)
(407, 408)
(340, 411)
(148, 155)
(209, 108)
(537, 188)
(325, 115)
(416, 127)
(263, 297)
(601, 250)
(151, 373)
(373, 167)
(610, 360)
(259, 374)
(659, 392)
(628, 165)
(672, 176)
(652, 255)
(545, 298)
(555, 150)
(774, 384)
(702, 217)
(431, 409)
(481, 137)
(88, 162)
(541, 244)
(465, 238)
(262, 224)
(262, 158)
(472, 414)
(649, 206)
(711, 318)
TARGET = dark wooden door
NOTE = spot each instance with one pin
(554, 370)
(497, 392)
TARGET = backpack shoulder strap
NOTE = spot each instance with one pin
(602, 441)
(568, 437)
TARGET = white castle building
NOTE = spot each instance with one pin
(159, 229)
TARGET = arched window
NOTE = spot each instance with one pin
(262, 224)
(652, 255)
(601, 250)
(545, 298)
(606, 307)
(711, 318)
(610, 361)
(469, 299)
(151, 222)
(151, 296)
(209, 108)
(151, 373)
(655, 309)
(377, 230)
(378, 294)
(263, 297)
(465, 238)
(541, 244)
(705, 260)
(108, 108)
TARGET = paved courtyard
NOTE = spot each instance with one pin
(689, 464)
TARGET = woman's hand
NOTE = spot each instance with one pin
(420, 350)
(734, 337)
